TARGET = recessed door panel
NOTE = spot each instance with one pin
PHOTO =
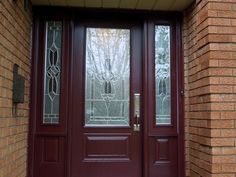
(51, 149)
(50, 156)
(109, 147)
(162, 150)
(163, 155)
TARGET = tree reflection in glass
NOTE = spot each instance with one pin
(107, 77)
(162, 74)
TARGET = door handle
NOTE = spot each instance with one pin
(136, 112)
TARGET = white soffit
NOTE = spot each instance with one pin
(163, 5)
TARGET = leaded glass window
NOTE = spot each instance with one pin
(52, 72)
(162, 74)
(107, 77)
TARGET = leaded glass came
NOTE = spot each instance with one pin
(162, 75)
(52, 72)
(107, 77)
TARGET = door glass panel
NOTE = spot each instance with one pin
(52, 73)
(162, 75)
(107, 88)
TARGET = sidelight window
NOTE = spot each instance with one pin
(52, 72)
(162, 75)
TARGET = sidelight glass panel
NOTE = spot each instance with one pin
(162, 75)
(52, 72)
(107, 87)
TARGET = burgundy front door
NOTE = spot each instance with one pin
(106, 96)
(106, 75)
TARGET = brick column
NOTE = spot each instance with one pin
(15, 47)
(210, 84)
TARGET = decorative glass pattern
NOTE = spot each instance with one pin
(107, 77)
(162, 75)
(52, 72)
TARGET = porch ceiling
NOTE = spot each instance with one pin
(164, 5)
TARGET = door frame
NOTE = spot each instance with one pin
(55, 13)
(77, 114)
(161, 19)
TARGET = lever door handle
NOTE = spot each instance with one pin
(136, 112)
(136, 124)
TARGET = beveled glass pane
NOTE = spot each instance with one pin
(107, 77)
(52, 72)
(162, 75)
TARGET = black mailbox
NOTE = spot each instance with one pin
(18, 86)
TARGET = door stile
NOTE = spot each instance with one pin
(78, 52)
(181, 124)
(145, 101)
(70, 49)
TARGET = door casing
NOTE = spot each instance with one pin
(42, 14)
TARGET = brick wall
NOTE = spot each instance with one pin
(15, 46)
(210, 83)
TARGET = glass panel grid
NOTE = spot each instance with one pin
(107, 77)
(162, 75)
(52, 72)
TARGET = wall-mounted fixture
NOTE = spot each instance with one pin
(18, 86)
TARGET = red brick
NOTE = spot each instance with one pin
(210, 82)
(15, 47)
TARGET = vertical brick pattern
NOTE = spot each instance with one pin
(15, 47)
(209, 31)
